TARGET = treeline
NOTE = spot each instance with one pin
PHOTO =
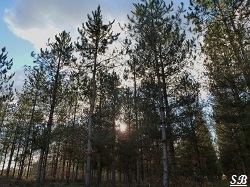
(76, 120)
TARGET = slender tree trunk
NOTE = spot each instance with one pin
(83, 167)
(129, 178)
(113, 167)
(120, 174)
(99, 170)
(11, 155)
(56, 161)
(90, 121)
(73, 172)
(138, 174)
(39, 169)
(4, 160)
(16, 160)
(48, 137)
(52, 165)
(3, 116)
(90, 142)
(19, 166)
(243, 128)
(29, 164)
(63, 167)
(107, 173)
(129, 171)
(68, 171)
(197, 151)
(141, 166)
(27, 139)
(163, 126)
(77, 170)
(170, 141)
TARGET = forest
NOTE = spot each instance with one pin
(126, 109)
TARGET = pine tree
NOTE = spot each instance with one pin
(224, 26)
(6, 87)
(133, 74)
(95, 38)
(31, 92)
(162, 41)
(5, 66)
(194, 145)
(53, 60)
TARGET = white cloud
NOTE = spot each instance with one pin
(18, 79)
(36, 21)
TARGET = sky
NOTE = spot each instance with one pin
(26, 25)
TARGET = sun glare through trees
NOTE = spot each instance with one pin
(121, 126)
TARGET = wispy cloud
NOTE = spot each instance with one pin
(36, 21)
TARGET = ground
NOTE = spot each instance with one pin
(15, 183)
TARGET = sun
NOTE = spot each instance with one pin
(121, 126)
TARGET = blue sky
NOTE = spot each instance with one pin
(17, 48)
(26, 25)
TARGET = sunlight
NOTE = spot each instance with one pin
(121, 126)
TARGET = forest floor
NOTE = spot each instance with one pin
(15, 183)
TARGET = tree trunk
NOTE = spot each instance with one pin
(39, 169)
(3, 116)
(56, 161)
(163, 126)
(48, 137)
(170, 141)
(11, 155)
(18, 148)
(63, 167)
(90, 121)
(197, 152)
(68, 171)
(77, 170)
(83, 170)
(113, 168)
(72, 177)
(90, 142)
(27, 138)
(113, 164)
(99, 169)
(29, 164)
(4, 160)
(107, 174)
(138, 175)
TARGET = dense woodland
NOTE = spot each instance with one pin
(126, 108)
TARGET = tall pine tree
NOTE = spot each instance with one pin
(95, 37)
